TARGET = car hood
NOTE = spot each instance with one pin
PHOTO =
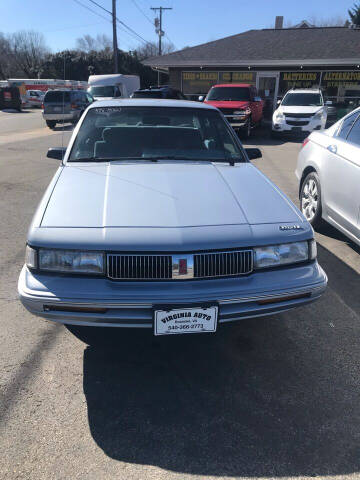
(227, 104)
(302, 109)
(165, 194)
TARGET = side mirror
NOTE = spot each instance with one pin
(201, 98)
(58, 153)
(253, 153)
(257, 99)
(278, 102)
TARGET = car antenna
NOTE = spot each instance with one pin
(63, 109)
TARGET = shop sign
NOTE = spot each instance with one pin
(237, 77)
(298, 80)
(339, 79)
(198, 82)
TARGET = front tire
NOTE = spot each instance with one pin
(246, 131)
(310, 200)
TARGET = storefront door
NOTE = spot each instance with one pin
(267, 85)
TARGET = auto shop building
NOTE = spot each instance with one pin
(274, 60)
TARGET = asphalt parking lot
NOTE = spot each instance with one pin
(276, 397)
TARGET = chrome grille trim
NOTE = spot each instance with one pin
(139, 267)
(161, 267)
(223, 264)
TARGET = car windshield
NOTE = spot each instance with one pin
(229, 93)
(302, 100)
(154, 133)
(105, 91)
(148, 94)
(57, 96)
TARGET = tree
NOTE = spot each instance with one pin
(79, 65)
(5, 58)
(28, 50)
(334, 21)
(354, 14)
(87, 43)
(151, 49)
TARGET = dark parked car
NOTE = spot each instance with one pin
(65, 106)
(159, 92)
(10, 98)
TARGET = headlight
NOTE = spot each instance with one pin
(318, 115)
(284, 254)
(278, 116)
(71, 261)
(30, 257)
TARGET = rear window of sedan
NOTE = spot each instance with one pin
(116, 133)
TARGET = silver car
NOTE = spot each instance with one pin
(328, 170)
(157, 219)
(65, 106)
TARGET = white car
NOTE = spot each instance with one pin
(299, 111)
(34, 98)
(328, 170)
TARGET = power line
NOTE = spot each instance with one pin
(91, 10)
(133, 31)
(142, 12)
(120, 21)
(100, 6)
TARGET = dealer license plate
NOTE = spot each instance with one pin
(185, 320)
(57, 109)
(296, 129)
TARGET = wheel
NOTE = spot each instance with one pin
(50, 123)
(310, 200)
(246, 131)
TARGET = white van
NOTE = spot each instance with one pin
(106, 87)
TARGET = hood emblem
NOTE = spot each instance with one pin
(285, 228)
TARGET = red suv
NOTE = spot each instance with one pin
(239, 103)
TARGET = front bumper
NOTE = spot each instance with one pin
(284, 127)
(131, 304)
(237, 122)
(61, 116)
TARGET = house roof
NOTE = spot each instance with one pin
(285, 46)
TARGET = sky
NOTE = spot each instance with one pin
(190, 22)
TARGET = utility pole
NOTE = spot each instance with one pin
(115, 45)
(160, 32)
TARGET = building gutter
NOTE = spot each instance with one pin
(257, 63)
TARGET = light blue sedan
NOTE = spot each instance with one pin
(157, 219)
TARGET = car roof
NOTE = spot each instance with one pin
(304, 90)
(155, 89)
(151, 102)
(245, 85)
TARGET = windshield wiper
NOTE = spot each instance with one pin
(90, 159)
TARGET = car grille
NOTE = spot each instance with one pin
(298, 115)
(296, 123)
(223, 264)
(159, 267)
(139, 267)
(228, 111)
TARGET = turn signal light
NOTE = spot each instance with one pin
(283, 299)
(64, 308)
